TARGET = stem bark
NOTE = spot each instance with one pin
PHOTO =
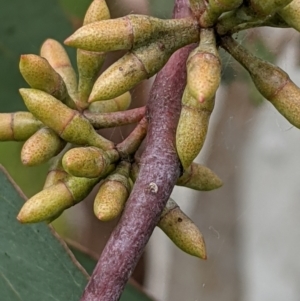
(159, 171)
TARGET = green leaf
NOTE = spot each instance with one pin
(34, 264)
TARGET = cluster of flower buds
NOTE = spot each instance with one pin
(203, 79)
(65, 113)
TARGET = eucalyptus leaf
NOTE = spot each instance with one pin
(34, 263)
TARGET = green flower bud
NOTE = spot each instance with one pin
(130, 32)
(196, 177)
(39, 74)
(182, 231)
(116, 34)
(89, 63)
(291, 14)
(267, 7)
(140, 64)
(271, 81)
(18, 126)
(119, 103)
(58, 58)
(97, 11)
(200, 178)
(56, 172)
(88, 162)
(215, 8)
(41, 147)
(204, 68)
(113, 193)
(192, 127)
(255, 10)
(67, 123)
(54, 176)
(273, 21)
(119, 78)
(53, 200)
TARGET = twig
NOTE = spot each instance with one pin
(131, 144)
(107, 120)
(160, 169)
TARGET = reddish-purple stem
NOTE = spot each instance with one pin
(132, 143)
(160, 168)
(107, 120)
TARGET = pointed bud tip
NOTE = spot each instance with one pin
(103, 217)
(23, 57)
(100, 217)
(201, 253)
(91, 98)
(68, 41)
(21, 219)
(219, 183)
(24, 91)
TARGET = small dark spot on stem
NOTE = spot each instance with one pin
(179, 220)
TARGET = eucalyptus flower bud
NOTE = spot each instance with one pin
(253, 10)
(119, 103)
(129, 32)
(18, 126)
(58, 58)
(200, 178)
(39, 74)
(53, 200)
(67, 123)
(89, 63)
(182, 231)
(267, 7)
(140, 64)
(204, 68)
(196, 177)
(271, 81)
(97, 11)
(88, 162)
(291, 14)
(56, 173)
(215, 8)
(41, 147)
(113, 193)
(192, 127)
